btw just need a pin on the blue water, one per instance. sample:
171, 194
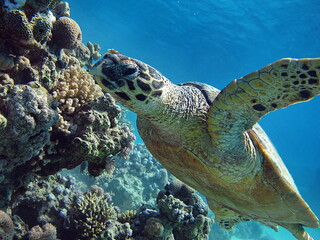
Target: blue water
216, 41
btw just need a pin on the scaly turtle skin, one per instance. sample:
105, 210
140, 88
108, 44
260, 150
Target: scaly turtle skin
211, 139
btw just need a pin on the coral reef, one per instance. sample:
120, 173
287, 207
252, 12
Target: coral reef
29, 116
6, 226
66, 33
46, 200
175, 220
135, 181
92, 135
52, 114
54, 208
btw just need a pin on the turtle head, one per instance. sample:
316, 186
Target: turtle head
132, 82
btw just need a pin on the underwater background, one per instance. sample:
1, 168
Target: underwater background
216, 41
72, 164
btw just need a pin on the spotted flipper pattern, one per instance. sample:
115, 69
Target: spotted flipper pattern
225, 217
244, 101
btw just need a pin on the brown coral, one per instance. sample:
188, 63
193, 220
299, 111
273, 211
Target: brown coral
46, 232
154, 227
6, 226
75, 87
41, 28
6, 61
66, 33
18, 26
23, 71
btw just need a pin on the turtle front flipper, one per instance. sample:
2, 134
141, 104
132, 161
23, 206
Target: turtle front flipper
244, 101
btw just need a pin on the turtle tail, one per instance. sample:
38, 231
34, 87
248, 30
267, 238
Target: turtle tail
297, 230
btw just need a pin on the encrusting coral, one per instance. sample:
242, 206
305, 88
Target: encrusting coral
29, 116
6, 226
38, 4
46, 232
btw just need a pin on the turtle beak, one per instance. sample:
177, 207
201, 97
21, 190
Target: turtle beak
114, 67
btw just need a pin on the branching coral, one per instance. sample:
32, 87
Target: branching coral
62, 9
66, 33
92, 215
75, 87
127, 216
94, 50
6, 226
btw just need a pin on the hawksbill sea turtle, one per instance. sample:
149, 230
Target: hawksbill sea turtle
210, 139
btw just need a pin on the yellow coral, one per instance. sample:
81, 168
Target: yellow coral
92, 215
74, 88
127, 216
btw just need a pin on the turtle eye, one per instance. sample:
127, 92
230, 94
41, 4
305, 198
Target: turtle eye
129, 71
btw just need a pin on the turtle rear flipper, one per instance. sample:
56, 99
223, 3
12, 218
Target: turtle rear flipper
225, 217
244, 101
297, 230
